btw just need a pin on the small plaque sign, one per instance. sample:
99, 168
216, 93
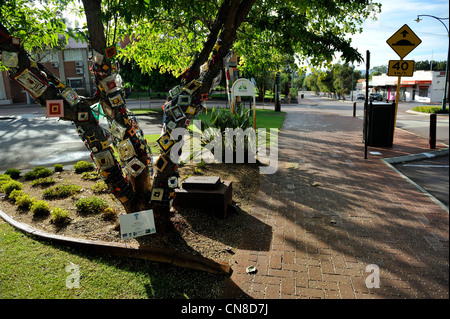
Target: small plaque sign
137, 224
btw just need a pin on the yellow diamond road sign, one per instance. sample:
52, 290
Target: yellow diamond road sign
403, 41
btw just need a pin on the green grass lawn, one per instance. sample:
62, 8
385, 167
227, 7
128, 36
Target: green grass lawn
35, 269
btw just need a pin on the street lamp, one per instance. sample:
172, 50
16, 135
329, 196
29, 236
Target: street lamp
444, 98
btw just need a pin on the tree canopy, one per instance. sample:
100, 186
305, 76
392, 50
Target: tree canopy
170, 35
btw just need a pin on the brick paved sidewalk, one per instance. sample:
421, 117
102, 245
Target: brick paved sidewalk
317, 241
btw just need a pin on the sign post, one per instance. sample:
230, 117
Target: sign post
366, 105
244, 87
402, 42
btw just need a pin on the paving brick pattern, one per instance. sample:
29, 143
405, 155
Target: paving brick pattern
327, 215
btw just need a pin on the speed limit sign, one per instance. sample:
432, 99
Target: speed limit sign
401, 68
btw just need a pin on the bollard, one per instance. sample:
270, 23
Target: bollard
354, 109
432, 140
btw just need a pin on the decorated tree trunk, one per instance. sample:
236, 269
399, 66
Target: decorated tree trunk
134, 178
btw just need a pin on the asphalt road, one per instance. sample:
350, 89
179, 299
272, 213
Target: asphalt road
431, 174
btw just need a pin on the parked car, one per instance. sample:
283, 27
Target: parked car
360, 96
376, 97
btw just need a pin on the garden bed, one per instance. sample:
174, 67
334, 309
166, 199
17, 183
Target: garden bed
191, 231
430, 109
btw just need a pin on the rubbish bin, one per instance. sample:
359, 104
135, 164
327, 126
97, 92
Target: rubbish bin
381, 121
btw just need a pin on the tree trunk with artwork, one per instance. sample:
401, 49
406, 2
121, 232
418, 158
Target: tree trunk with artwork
133, 177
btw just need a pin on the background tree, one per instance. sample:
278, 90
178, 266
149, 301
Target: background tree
378, 70
325, 82
311, 82
430, 65
340, 79
344, 79
156, 81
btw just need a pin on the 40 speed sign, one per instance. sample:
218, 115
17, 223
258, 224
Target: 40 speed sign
401, 68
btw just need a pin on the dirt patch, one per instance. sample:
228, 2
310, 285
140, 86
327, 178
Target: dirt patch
190, 230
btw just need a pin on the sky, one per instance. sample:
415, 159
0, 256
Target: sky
394, 14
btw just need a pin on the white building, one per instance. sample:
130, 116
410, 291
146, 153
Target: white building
423, 86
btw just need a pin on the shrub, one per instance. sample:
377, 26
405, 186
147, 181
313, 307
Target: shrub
24, 201
38, 172
4, 178
11, 185
198, 171
429, 109
14, 173
93, 205
59, 215
43, 181
109, 213
83, 166
222, 119
90, 176
15, 193
100, 187
40, 207
61, 191
58, 167
202, 164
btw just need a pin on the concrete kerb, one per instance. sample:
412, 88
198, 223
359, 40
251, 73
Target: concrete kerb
415, 157
425, 114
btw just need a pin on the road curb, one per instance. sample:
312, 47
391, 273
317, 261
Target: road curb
417, 157
426, 114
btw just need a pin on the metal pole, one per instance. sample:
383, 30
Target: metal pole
353, 72
366, 124
444, 98
432, 139
397, 97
